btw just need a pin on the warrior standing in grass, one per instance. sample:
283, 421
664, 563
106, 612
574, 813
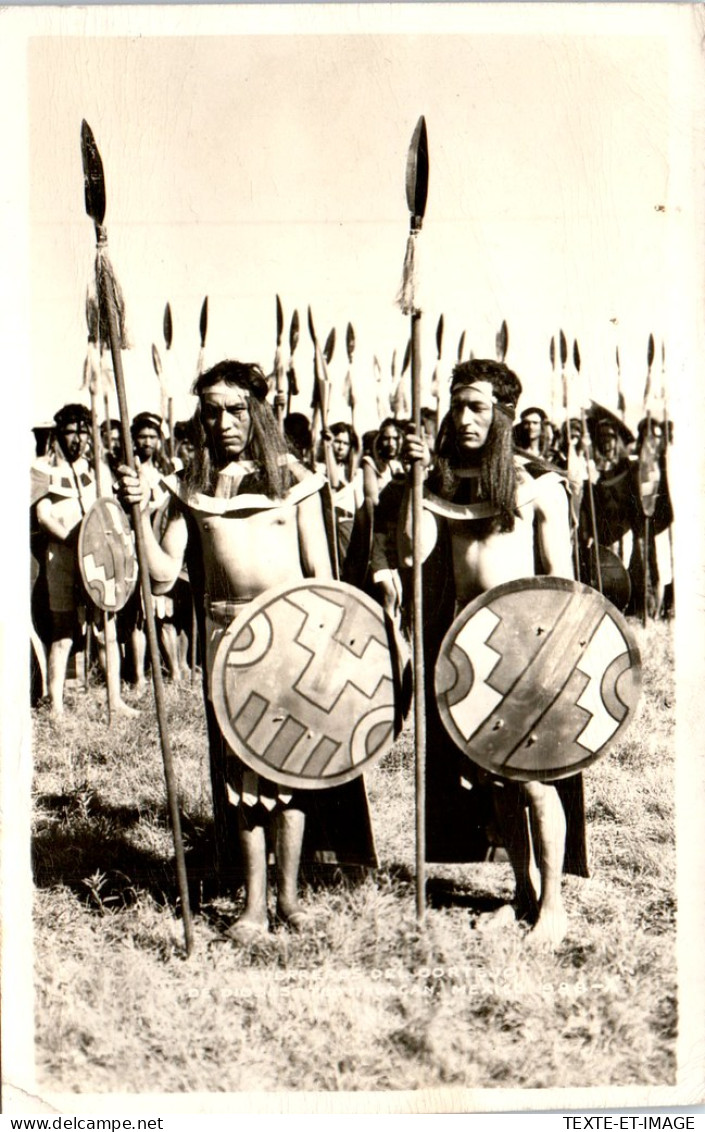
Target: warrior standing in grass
246, 517
64, 485
495, 517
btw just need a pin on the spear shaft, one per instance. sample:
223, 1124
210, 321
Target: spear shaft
95, 207
416, 194
108, 297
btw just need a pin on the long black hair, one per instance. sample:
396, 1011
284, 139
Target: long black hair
266, 446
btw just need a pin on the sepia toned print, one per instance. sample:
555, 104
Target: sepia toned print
398, 311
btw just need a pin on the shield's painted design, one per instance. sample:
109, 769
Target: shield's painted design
536, 678
106, 556
302, 684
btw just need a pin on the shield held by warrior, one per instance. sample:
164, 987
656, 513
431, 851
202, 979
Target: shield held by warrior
304, 685
536, 678
106, 556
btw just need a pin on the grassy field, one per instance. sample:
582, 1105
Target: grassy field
366, 1000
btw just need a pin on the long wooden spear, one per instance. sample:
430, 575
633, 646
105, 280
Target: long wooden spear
202, 331
552, 379
621, 403
292, 387
321, 395
168, 339
349, 386
570, 456
502, 342
666, 445
587, 452
94, 183
399, 400
436, 378
279, 376
417, 169
649, 474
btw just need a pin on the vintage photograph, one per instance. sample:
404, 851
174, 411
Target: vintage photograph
358, 756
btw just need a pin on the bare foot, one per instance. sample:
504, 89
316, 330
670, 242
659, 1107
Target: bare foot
551, 926
504, 917
123, 709
295, 919
245, 931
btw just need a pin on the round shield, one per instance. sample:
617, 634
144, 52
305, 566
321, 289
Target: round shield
615, 582
106, 555
302, 684
536, 678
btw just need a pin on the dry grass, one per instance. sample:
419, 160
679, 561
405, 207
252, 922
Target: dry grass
366, 1000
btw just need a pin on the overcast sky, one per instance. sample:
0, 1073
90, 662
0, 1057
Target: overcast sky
243, 166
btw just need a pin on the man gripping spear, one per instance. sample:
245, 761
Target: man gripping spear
486, 506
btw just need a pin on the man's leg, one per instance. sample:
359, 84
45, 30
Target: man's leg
169, 643
112, 670
510, 811
548, 826
253, 846
59, 653
289, 836
138, 645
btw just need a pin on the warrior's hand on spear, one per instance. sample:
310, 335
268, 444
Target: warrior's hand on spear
95, 207
417, 168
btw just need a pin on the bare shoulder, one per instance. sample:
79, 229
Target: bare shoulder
547, 486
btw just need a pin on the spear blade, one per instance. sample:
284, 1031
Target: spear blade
563, 349
552, 353
502, 341
439, 337
350, 341
576, 355
311, 327
461, 346
168, 327
294, 332
417, 172
650, 362
203, 323
156, 361
329, 347
93, 175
